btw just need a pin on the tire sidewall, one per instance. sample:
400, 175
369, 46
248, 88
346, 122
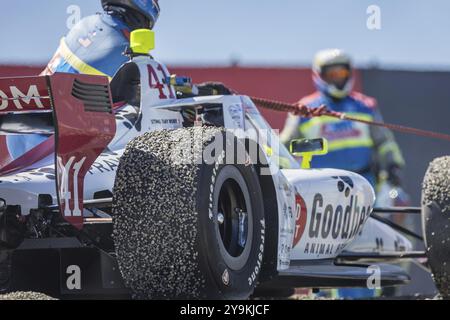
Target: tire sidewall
241, 282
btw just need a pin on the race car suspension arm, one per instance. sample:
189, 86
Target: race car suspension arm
357, 256
98, 203
402, 210
88, 204
397, 227
374, 256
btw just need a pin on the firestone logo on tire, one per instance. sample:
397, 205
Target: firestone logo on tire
300, 218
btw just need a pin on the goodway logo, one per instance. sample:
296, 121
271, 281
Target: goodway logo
17, 96
300, 218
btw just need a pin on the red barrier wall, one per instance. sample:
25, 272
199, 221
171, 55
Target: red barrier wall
284, 84
14, 70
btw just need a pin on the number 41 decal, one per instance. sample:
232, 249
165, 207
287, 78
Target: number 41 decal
155, 83
66, 190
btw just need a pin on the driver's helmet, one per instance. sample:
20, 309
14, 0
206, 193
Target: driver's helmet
332, 73
148, 8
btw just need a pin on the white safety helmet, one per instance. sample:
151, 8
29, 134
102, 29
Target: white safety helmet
332, 73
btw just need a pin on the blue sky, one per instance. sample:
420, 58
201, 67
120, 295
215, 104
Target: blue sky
414, 33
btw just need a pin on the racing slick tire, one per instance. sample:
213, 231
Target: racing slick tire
187, 229
436, 222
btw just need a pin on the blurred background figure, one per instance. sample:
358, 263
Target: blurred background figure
367, 150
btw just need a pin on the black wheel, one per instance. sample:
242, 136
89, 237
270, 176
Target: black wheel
436, 222
187, 229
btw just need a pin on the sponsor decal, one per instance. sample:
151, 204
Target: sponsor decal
344, 184
300, 218
104, 165
257, 268
335, 222
69, 188
288, 215
286, 188
166, 91
340, 130
236, 115
36, 174
165, 121
85, 42
399, 244
379, 243
15, 99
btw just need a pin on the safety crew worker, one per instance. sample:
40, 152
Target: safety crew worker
368, 150
95, 44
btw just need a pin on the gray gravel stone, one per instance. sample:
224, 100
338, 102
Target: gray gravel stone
436, 185
20, 295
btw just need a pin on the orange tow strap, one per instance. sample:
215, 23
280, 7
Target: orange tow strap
307, 112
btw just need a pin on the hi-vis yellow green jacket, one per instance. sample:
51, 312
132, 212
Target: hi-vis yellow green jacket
352, 146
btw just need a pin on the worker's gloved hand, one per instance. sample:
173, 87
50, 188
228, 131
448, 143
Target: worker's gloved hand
213, 89
394, 175
307, 112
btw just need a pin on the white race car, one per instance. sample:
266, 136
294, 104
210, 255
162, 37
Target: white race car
141, 199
